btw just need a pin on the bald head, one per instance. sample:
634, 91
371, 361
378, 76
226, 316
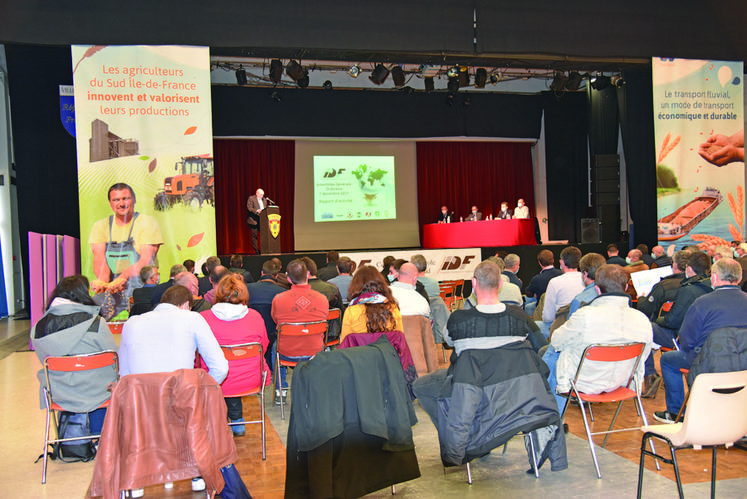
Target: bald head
408, 273
188, 280
658, 251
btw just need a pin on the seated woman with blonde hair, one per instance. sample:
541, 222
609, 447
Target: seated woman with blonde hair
372, 308
233, 323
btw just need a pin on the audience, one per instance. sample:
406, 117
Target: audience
394, 275
645, 257
429, 284
207, 268
261, 294
510, 294
218, 273
160, 289
236, 266
563, 288
233, 323
141, 297
189, 264
330, 269
512, 262
403, 290
661, 259
726, 306
343, 278
538, 284
372, 307
189, 281
330, 291
613, 256
666, 289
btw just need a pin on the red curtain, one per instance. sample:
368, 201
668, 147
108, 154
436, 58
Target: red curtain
462, 174
241, 167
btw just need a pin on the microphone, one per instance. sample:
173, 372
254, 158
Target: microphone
270, 202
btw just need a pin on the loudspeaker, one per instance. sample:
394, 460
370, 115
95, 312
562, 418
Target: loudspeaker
590, 231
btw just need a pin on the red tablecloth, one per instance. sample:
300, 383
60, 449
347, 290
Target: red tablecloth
514, 232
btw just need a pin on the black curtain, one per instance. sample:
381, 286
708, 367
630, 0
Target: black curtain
566, 156
636, 104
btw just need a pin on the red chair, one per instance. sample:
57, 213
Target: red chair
626, 391
297, 339
248, 351
70, 364
334, 315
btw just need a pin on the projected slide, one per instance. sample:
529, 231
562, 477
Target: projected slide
352, 188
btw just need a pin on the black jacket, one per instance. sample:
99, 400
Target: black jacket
725, 350
664, 291
691, 288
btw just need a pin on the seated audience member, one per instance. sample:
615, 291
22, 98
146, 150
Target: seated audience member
141, 296
372, 307
189, 281
607, 319
634, 262
189, 264
538, 284
207, 268
741, 258
281, 278
720, 252
726, 306
261, 294
429, 284
299, 304
504, 213
474, 215
490, 324
563, 288
170, 328
160, 289
343, 279
330, 291
666, 289
386, 264
587, 267
166, 339
613, 256
510, 294
233, 323
330, 269
521, 210
237, 267
218, 273
394, 275
446, 217
661, 259
71, 326
667, 327
512, 262
403, 290
645, 256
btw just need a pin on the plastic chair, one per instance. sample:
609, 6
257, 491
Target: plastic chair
297, 339
448, 291
69, 364
715, 417
627, 391
334, 315
246, 351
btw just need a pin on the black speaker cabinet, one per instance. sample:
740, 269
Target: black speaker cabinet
590, 231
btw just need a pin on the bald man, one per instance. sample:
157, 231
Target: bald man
255, 205
410, 301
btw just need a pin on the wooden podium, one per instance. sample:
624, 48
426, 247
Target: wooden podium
269, 230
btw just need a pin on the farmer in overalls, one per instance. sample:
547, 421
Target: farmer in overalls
122, 244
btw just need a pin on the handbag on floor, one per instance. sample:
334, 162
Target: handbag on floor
234, 488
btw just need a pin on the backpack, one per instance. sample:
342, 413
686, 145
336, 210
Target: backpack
74, 424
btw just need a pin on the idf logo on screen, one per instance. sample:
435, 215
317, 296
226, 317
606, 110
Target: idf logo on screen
332, 172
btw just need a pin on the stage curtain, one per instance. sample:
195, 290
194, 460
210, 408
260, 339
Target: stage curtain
462, 174
241, 167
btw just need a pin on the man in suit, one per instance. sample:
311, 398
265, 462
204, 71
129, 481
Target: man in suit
505, 213
255, 204
446, 217
474, 215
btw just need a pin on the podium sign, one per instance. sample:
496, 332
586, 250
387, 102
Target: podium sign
269, 230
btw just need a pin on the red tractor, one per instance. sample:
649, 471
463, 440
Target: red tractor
193, 185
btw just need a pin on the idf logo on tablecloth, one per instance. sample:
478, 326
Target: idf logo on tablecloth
274, 221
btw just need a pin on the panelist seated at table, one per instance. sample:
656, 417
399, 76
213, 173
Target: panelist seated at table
446, 217
521, 210
474, 215
505, 213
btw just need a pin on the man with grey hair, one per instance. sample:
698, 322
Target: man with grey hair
509, 294
159, 290
429, 283
726, 306
512, 262
204, 281
141, 296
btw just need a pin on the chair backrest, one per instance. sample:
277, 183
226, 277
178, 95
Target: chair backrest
334, 314
419, 335
247, 351
613, 353
81, 362
716, 409
301, 339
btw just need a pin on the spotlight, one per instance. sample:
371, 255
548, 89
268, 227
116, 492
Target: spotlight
303, 82
452, 71
574, 81
463, 76
428, 82
354, 71
618, 81
453, 85
275, 96
496, 77
327, 85
481, 77
296, 72
398, 76
379, 74
241, 76
558, 82
600, 82
276, 71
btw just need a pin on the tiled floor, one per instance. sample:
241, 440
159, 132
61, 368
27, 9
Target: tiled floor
22, 424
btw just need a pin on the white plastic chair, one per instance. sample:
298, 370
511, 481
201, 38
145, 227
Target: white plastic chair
715, 416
